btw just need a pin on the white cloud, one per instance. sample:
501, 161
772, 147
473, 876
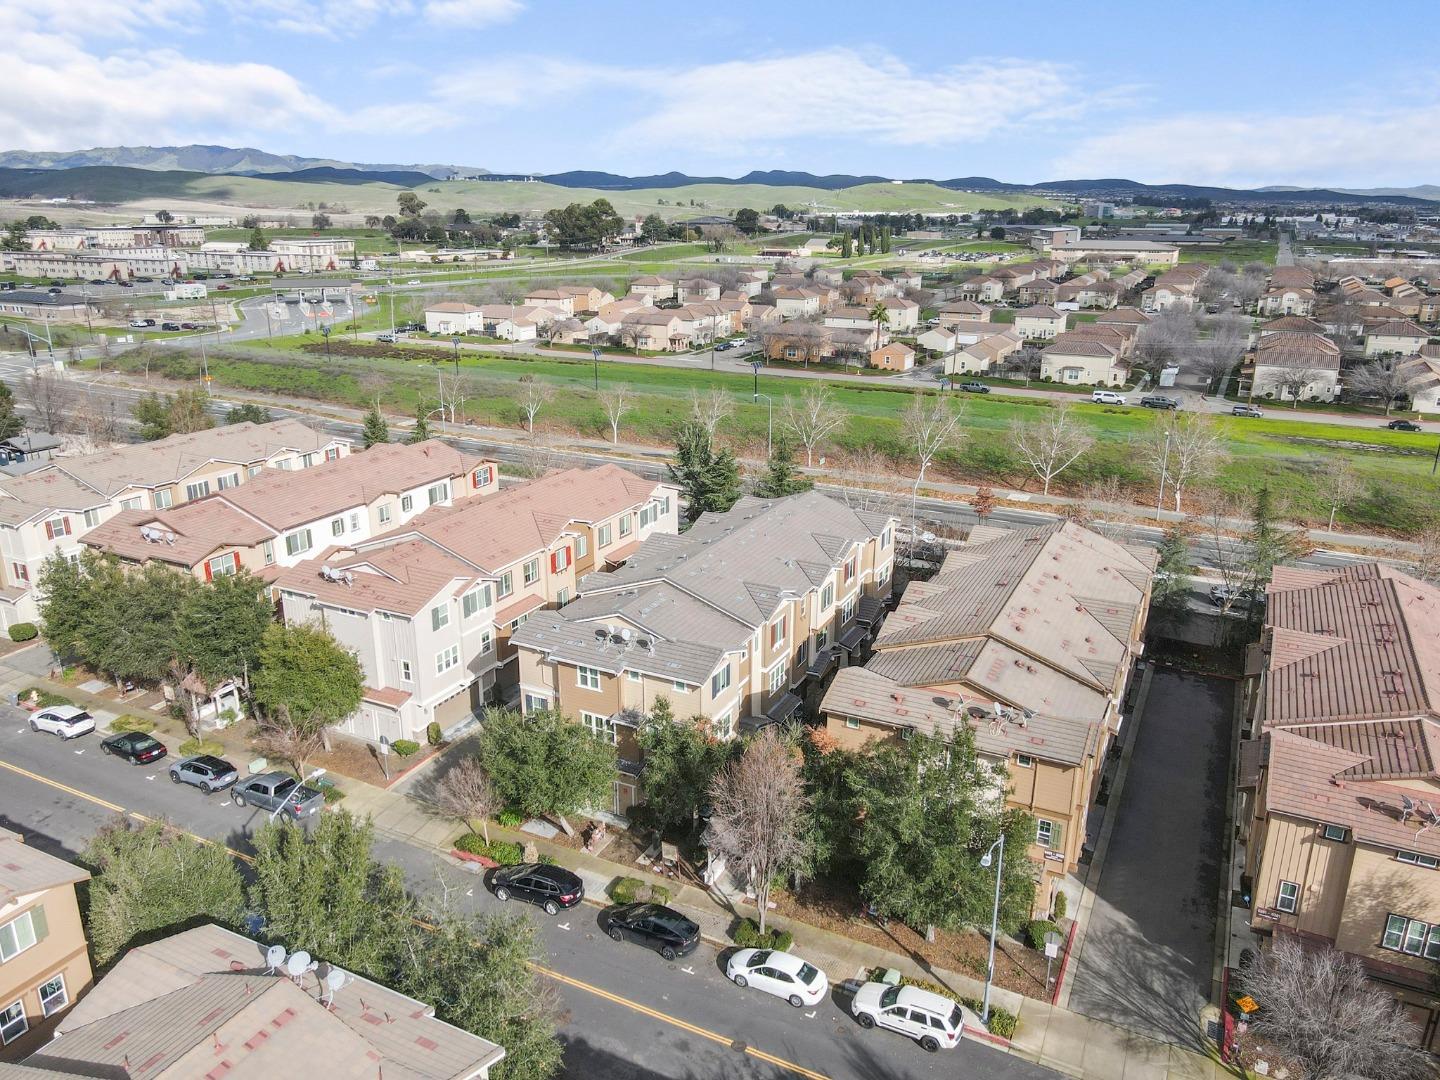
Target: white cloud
472, 13
100, 18
1348, 149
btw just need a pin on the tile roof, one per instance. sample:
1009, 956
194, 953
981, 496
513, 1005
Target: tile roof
1123, 315
183, 536
1038, 311
403, 578
1079, 346
25, 870
1292, 323
1397, 328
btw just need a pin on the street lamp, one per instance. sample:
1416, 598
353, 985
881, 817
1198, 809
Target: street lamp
755, 397
999, 860
295, 791
1164, 470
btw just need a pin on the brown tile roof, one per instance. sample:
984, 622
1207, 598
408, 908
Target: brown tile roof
183, 536
452, 307
403, 578
1079, 346
1038, 311
25, 870
1292, 323
1123, 315
1397, 328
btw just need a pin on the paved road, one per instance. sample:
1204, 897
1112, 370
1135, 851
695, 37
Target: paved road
1147, 956
625, 1013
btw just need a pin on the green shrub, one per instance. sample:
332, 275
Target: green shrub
201, 746
547, 860
43, 698
510, 819
432, 733
129, 722
626, 890
501, 851
1035, 931
659, 894
1002, 1021
332, 794
24, 631
1061, 907
748, 936
405, 747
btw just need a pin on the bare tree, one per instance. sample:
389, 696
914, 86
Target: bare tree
812, 415
930, 424
1181, 448
615, 401
533, 396
468, 795
869, 481
711, 409
296, 743
1342, 483
1323, 1013
1164, 341
1286, 379
1385, 379
51, 398
1216, 356
758, 817
1052, 444
1214, 529
1425, 564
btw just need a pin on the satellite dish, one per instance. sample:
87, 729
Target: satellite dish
335, 981
274, 958
298, 964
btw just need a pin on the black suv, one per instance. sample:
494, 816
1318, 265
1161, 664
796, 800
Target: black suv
551, 887
661, 928
1159, 401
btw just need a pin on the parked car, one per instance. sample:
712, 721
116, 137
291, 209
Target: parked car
661, 928
167, 281
205, 771
1403, 425
724, 346
1246, 410
388, 339
782, 974
1158, 401
550, 887
169, 326
135, 747
222, 288
268, 791
1107, 397
930, 1019
1235, 596
64, 720
55, 290
973, 387
126, 284
413, 281
189, 326
142, 323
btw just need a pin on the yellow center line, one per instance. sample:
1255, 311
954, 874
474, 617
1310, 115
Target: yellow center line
589, 988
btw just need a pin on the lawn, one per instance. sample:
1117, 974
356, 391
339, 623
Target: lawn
1294, 458
1238, 252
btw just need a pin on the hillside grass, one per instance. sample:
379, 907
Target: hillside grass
1294, 458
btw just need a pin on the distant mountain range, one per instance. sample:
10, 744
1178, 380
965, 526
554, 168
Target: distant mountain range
19, 168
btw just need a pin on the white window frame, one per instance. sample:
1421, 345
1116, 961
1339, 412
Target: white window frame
626, 526
8, 1031
47, 1003
723, 726
679, 687
1288, 892
440, 616
632, 675
268, 549
20, 945
1024, 761
1335, 832
601, 726
202, 486
603, 539
852, 723
163, 498
447, 658
587, 678
337, 526
384, 513
720, 681
406, 675
530, 572
438, 493
299, 536
582, 546
775, 677
827, 596
92, 518
1045, 833
407, 503
506, 585
1414, 858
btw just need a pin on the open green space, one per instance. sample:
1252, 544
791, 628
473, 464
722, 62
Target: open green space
1238, 252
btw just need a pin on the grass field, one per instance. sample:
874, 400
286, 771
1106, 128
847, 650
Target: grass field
1238, 252
1293, 458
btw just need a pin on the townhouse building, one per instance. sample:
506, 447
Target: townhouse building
1296, 365
1394, 337
652, 288
1082, 360
983, 289
1040, 323
963, 311
739, 621
430, 607
50, 511
985, 356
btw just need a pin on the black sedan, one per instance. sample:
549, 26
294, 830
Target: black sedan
135, 747
550, 887
661, 928
1403, 425
205, 771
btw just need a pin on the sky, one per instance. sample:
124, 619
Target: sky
1240, 94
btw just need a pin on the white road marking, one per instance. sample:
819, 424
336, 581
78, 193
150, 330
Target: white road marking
563, 926
225, 803
79, 751
688, 970
811, 1015
150, 777
469, 892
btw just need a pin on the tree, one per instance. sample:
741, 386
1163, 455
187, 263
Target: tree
409, 204
480, 972
1426, 562
165, 217
578, 225
1389, 380
1287, 379
533, 396
469, 796
653, 228
847, 245
1170, 589
543, 763
51, 399
421, 431
1320, 1010
1052, 444
11, 423
1217, 356
174, 414
879, 316
322, 890
781, 478
135, 621
1342, 484
811, 416
374, 430
681, 759
257, 240
248, 413
17, 237
997, 233
320, 222
1182, 447
148, 877
220, 627
983, 502
615, 401
711, 409
747, 221
1165, 341
759, 812
305, 678
930, 425
709, 480
1268, 543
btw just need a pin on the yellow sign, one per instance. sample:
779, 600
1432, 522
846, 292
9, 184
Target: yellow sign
1246, 1004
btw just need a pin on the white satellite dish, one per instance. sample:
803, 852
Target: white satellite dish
335, 981
274, 958
298, 964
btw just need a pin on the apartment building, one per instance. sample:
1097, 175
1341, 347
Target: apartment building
430, 607
1031, 634
1340, 774
49, 511
44, 959
280, 519
738, 621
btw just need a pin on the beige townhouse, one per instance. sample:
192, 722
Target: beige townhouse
651, 288
739, 621
49, 511
963, 311
1040, 323
985, 356
1082, 360
1296, 365
1394, 337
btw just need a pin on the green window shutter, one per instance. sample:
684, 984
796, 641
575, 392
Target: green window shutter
1057, 836
39, 922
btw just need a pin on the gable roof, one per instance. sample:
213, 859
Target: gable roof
25, 870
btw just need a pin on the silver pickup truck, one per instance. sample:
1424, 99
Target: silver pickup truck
269, 790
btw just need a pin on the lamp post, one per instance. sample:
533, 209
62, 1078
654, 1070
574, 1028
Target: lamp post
1164, 469
999, 860
295, 791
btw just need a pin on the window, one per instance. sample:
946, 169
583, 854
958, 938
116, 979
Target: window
848, 611
520, 621
1335, 832
132, 504
405, 673
852, 723
306, 460
560, 559
882, 576
354, 520
439, 616
827, 597
625, 525
1044, 832
588, 678
222, 565
885, 537
633, 675
1430, 862
229, 480
777, 677
21, 933
599, 725
1024, 761
197, 490
582, 546
484, 476
720, 680
850, 571
802, 652
19, 571
1412, 936
92, 518
13, 1023
268, 547
332, 453
438, 493
385, 513
506, 585
407, 503
531, 571
562, 597
446, 659
777, 631
337, 527
57, 527
252, 472
822, 638
474, 600
298, 542
723, 726
1289, 898
52, 995
678, 686
535, 702
603, 540
487, 641
647, 515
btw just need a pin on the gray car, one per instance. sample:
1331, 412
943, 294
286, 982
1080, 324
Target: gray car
270, 790
205, 771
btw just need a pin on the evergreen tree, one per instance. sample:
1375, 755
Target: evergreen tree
11, 423
1268, 543
544, 763
257, 240
305, 674
421, 431
248, 412
1172, 573
781, 478
709, 479
681, 758
847, 248
221, 626
375, 429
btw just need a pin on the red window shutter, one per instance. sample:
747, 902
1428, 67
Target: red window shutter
208, 576
555, 562
49, 531
67, 526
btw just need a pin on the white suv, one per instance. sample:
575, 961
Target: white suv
1107, 397
64, 720
931, 1020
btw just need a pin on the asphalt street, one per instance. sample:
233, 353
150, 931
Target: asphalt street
625, 1013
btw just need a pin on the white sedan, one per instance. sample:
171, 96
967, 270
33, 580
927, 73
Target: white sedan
780, 973
64, 720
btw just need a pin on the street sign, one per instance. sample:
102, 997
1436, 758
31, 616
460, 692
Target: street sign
755, 366
595, 354
1246, 1004
1052, 944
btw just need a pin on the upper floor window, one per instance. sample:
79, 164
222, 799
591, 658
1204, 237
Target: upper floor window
447, 659
777, 631
1045, 833
57, 527
560, 559
407, 503
719, 681
306, 460
506, 585
298, 541
1288, 899
827, 597
474, 600
604, 538
531, 571
582, 546
384, 513
588, 678
198, 489
163, 498
22, 932
484, 476
1411, 936
438, 493
625, 525
439, 616
228, 481
332, 453
601, 726
849, 571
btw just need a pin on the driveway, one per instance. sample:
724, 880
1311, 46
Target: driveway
1146, 959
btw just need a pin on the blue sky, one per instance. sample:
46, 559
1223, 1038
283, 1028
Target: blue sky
1230, 93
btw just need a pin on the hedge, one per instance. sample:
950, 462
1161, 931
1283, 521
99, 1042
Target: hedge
748, 936
432, 733
43, 698
201, 746
626, 890
501, 851
405, 747
24, 631
1035, 931
129, 722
